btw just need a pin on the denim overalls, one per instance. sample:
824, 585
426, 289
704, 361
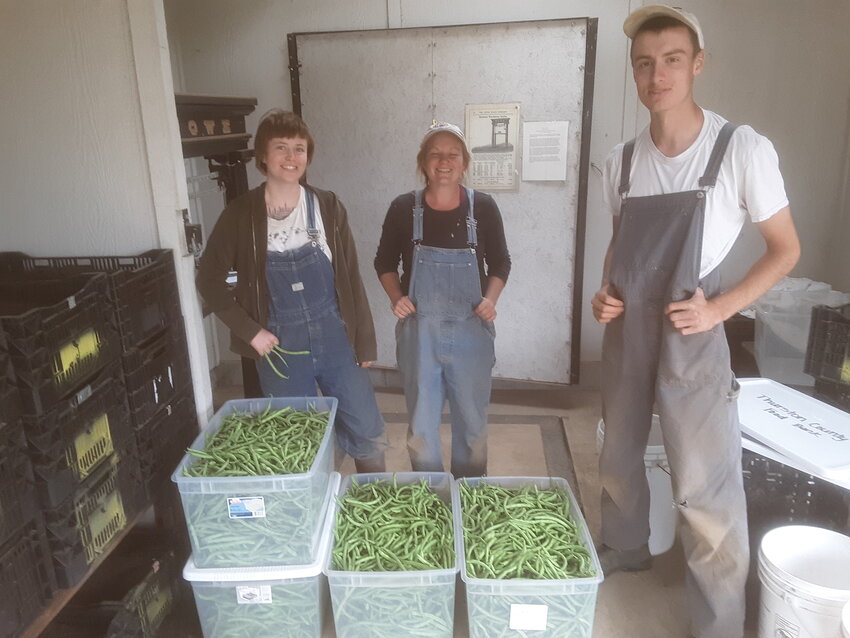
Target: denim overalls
656, 260
304, 315
446, 351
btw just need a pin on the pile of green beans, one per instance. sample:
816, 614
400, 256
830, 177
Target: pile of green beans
382, 526
281, 441
293, 612
521, 533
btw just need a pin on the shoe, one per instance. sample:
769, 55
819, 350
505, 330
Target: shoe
626, 560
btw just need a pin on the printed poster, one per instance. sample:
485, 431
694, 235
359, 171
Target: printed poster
492, 134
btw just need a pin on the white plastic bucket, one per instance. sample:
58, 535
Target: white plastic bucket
845, 621
805, 582
662, 514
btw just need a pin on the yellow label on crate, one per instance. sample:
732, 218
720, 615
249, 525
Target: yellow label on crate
157, 605
74, 352
103, 524
90, 447
845, 371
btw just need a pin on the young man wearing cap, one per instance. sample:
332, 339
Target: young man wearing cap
679, 194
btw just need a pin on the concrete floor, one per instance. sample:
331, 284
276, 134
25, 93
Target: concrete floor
648, 604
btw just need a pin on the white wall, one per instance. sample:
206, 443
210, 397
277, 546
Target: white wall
73, 163
778, 65
91, 161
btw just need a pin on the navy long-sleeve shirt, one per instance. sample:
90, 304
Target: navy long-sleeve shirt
443, 229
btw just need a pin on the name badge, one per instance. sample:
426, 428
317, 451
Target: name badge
297, 286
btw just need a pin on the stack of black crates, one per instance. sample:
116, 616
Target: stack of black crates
26, 571
98, 352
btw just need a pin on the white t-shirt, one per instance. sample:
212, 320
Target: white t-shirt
749, 183
291, 231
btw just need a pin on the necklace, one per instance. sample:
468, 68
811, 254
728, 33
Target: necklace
279, 212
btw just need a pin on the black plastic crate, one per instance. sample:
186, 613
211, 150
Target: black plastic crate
778, 494
828, 350
26, 578
163, 440
71, 441
89, 522
17, 504
144, 287
59, 332
10, 397
146, 605
155, 375
834, 393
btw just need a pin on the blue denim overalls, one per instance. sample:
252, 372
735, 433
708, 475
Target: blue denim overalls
645, 361
304, 315
446, 351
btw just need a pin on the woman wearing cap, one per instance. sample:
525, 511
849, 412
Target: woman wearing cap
455, 262
298, 288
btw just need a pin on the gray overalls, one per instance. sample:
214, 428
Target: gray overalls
646, 363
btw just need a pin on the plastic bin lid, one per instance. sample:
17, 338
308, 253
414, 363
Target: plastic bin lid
270, 572
814, 436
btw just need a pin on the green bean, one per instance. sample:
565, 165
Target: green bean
279, 352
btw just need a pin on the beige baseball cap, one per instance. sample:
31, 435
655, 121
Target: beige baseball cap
444, 127
639, 16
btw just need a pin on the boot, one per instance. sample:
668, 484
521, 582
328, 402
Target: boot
624, 560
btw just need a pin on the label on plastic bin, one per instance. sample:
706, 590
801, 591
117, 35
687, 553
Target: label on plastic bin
246, 507
254, 595
529, 617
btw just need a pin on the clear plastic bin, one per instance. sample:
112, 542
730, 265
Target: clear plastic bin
394, 604
275, 519
780, 344
524, 607
264, 602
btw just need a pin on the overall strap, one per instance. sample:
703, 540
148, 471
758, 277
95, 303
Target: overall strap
471, 224
709, 178
417, 216
312, 231
626, 167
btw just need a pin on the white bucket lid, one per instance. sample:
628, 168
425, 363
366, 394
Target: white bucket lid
812, 560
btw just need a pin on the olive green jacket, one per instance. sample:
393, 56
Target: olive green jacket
238, 242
